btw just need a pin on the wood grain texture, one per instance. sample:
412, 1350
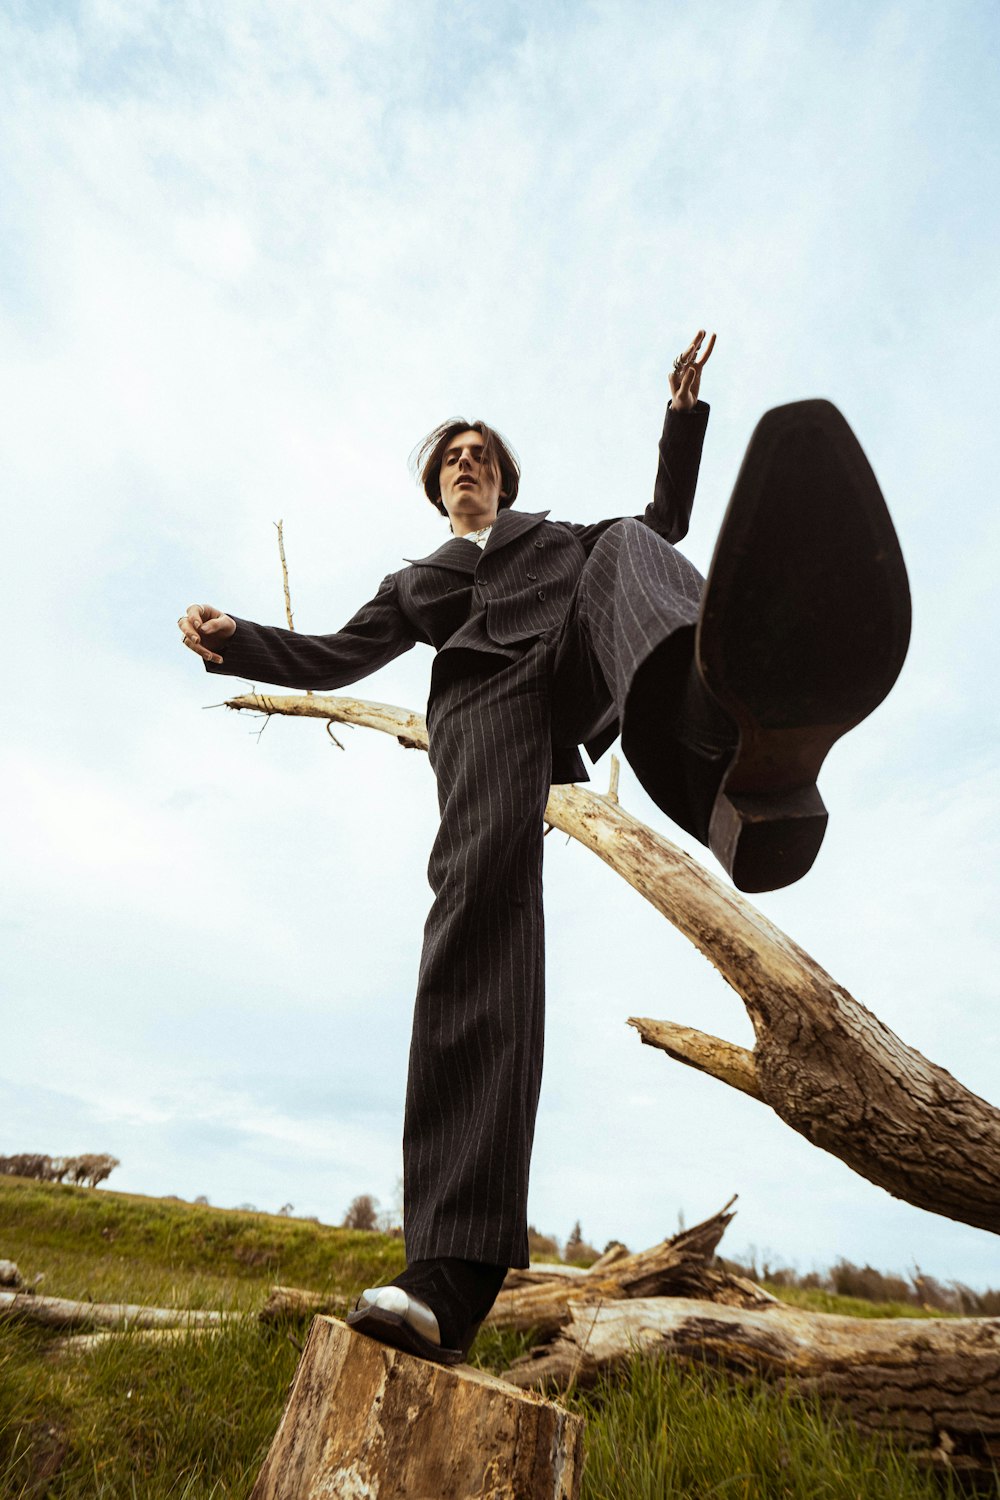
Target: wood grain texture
931, 1384
366, 1421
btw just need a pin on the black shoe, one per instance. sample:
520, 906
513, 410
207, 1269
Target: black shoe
398, 1321
804, 627
433, 1310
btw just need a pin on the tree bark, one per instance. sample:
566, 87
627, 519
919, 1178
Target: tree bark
932, 1384
367, 1421
821, 1061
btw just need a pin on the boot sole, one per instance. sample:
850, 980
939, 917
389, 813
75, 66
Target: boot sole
804, 628
390, 1328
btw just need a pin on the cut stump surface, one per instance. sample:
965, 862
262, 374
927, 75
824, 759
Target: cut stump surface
366, 1421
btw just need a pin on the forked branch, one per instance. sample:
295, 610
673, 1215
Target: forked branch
824, 1063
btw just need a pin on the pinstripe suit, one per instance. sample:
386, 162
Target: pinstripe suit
553, 635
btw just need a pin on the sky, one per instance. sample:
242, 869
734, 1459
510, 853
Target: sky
250, 253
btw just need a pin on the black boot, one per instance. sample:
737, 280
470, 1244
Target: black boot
804, 627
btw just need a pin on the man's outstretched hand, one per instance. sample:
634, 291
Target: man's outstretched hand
204, 627
685, 377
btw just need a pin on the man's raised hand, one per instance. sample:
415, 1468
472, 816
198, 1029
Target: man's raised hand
685, 377
203, 626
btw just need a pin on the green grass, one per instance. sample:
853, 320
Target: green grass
96, 1244
814, 1299
664, 1431
192, 1419
148, 1419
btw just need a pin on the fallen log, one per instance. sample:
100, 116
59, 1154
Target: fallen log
821, 1061
58, 1312
294, 1303
682, 1266
86, 1343
931, 1384
365, 1420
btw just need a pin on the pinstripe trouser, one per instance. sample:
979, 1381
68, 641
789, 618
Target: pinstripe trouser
478, 1028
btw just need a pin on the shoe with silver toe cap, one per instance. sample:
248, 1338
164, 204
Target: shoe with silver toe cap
394, 1316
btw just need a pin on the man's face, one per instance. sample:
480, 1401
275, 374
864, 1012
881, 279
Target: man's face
470, 492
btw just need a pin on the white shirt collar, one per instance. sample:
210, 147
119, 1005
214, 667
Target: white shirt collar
480, 537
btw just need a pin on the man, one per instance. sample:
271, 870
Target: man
548, 635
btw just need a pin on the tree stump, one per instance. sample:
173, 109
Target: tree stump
365, 1421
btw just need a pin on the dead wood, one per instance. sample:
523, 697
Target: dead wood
58, 1312
821, 1061
933, 1384
294, 1303
682, 1266
366, 1420
85, 1343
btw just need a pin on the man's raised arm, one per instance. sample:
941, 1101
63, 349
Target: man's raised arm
680, 445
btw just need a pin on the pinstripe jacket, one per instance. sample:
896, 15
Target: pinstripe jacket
493, 601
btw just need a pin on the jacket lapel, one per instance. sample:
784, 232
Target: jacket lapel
463, 557
456, 553
511, 524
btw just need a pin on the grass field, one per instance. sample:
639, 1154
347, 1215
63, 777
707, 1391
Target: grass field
193, 1417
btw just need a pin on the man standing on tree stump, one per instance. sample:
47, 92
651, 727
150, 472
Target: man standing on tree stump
550, 635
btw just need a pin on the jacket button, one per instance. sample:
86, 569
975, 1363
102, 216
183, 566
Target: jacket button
541, 593
533, 576
539, 544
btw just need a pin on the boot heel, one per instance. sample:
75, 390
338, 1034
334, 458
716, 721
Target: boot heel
764, 842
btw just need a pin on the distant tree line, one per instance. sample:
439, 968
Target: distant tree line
845, 1279
85, 1171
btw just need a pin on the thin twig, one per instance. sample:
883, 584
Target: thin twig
279, 528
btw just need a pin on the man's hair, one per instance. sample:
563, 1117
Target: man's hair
498, 455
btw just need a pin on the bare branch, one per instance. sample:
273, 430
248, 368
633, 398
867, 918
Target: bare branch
709, 1054
279, 528
824, 1063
